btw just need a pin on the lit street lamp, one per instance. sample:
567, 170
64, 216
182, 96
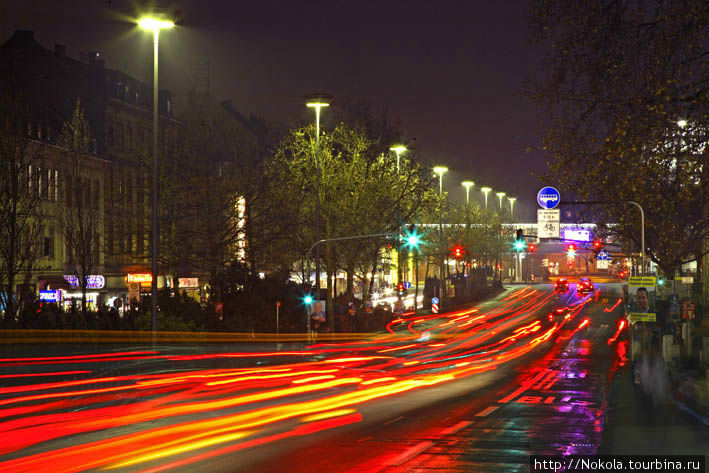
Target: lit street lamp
317, 102
500, 195
440, 170
486, 191
398, 150
512, 206
467, 185
155, 25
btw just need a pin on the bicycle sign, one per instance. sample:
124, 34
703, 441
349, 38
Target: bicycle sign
548, 223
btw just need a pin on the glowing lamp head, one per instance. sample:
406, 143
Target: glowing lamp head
485, 189
519, 245
468, 184
440, 170
681, 123
398, 148
154, 24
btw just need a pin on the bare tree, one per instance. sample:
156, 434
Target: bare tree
80, 214
20, 204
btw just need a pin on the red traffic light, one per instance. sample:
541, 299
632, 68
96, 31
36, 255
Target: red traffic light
401, 286
457, 251
597, 244
531, 248
571, 247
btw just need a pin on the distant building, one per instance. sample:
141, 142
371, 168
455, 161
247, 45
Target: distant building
119, 111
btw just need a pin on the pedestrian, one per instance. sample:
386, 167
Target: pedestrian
317, 318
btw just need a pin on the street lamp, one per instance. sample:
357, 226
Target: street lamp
317, 102
486, 191
440, 170
398, 150
467, 185
512, 205
155, 25
500, 195
682, 123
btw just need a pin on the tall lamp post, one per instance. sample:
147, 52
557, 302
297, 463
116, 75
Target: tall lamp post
155, 25
467, 185
500, 195
486, 191
317, 102
440, 170
398, 149
512, 206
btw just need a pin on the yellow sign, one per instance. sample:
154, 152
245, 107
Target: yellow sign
140, 277
642, 281
641, 316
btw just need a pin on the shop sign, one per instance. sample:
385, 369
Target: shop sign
140, 277
188, 282
49, 296
93, 281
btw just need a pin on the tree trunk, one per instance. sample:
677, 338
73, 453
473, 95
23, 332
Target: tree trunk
350, 282
416, 277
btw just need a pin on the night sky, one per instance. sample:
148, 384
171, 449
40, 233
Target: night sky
450, 72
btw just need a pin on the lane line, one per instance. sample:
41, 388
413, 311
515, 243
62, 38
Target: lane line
486, 412
409, 454
457, 427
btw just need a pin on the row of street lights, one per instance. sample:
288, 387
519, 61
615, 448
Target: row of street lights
316, 102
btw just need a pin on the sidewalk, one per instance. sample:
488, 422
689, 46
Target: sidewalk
635, 426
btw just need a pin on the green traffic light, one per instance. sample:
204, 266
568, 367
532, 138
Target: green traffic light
660, 281
519, 245
412, 240
308, 300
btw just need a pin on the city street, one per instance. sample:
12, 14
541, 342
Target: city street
478, 389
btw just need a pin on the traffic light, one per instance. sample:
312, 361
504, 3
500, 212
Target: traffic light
401, 289
571, 250
412, 239
597, 246
532, 248
457, 251
519, 240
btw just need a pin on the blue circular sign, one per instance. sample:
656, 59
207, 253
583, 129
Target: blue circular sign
407, 285
434, 300
548, 197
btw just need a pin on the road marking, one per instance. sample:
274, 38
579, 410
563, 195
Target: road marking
457, 427
486, 412
524, 387
409, 454
391, 421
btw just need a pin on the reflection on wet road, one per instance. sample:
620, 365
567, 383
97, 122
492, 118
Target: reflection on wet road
164, 408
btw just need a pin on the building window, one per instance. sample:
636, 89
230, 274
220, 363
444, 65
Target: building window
48, 244
140, 238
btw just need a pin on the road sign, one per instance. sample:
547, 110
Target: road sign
407, 285
435, 300
601, 264
434, 308
642, 317
642, 281
548, 197
603, 256
548, 223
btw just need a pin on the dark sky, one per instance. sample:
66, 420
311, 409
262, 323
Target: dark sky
450, 71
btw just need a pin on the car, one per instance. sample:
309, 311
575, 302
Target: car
585, 286
561, 285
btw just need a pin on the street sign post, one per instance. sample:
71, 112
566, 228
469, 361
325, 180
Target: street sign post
407, 285
548, 223
434, 305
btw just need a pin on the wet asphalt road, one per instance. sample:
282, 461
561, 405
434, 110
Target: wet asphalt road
549, 399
